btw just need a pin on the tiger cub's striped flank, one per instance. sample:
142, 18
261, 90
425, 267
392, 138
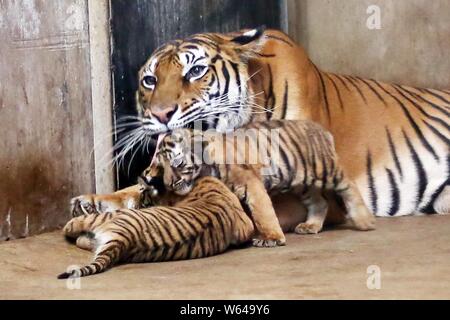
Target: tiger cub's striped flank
304, 162
206, 222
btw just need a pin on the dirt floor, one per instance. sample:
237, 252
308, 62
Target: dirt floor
413, 256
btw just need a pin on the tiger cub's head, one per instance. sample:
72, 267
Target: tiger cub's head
178, 161
203, 78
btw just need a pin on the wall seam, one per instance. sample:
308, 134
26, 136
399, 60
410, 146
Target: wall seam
101, 91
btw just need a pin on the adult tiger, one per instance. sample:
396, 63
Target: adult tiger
393, 140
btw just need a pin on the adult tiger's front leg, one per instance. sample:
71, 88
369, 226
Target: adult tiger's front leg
128, 198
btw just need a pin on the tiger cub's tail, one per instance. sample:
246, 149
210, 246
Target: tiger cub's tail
108, 255
108, 248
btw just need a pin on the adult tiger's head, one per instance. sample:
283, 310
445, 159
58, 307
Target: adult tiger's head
203, 78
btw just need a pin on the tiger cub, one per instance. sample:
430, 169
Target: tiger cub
204, 223
304, 161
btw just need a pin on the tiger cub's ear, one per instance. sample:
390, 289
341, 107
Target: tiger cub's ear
249, 43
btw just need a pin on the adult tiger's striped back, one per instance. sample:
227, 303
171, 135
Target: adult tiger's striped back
392, 140
205, 223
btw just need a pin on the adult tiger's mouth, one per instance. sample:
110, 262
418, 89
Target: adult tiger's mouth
220, 122
203, 125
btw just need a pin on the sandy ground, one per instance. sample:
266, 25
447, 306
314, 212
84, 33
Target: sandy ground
413, 256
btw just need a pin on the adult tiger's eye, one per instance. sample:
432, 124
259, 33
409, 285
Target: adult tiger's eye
149, 82
195, 72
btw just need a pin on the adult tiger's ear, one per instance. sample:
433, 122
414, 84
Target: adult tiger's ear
250, 43
250, 36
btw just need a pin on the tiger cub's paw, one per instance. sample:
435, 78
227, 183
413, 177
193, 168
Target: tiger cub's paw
82, 205
269, 243
308, 228
94, 204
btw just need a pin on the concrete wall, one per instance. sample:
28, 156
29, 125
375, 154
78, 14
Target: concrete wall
412, 47
46, 112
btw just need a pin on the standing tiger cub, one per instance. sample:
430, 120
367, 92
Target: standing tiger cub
204, 223
301, 158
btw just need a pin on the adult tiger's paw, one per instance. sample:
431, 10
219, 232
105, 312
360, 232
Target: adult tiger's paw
308, 228
364, 220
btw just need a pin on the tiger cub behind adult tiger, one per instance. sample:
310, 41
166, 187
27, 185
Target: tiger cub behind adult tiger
304, 161
206, 222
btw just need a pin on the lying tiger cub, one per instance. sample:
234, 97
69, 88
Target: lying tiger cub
305, 163
204, 223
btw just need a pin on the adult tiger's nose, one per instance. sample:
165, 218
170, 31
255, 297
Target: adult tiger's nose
164, 114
